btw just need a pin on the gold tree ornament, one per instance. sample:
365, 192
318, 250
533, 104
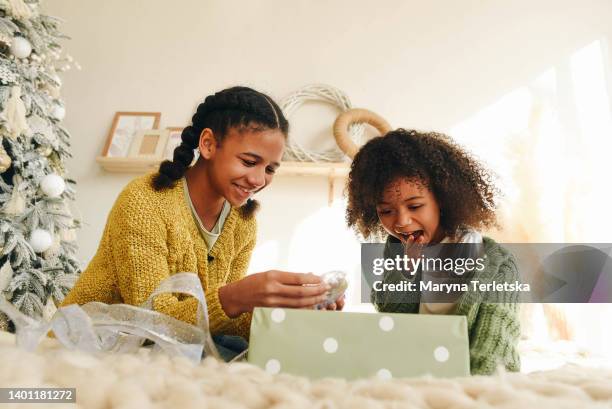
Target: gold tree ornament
352, 116
56, 163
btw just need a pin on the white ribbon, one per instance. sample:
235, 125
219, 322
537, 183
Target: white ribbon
96, 327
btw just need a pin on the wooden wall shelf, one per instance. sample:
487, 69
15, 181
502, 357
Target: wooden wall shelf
332, 170
128, 165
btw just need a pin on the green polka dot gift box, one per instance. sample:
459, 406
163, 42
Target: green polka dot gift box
351, 345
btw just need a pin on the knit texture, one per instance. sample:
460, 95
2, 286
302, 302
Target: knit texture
493, 328
152, 235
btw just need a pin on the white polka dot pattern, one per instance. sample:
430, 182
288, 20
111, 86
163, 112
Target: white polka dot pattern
273, 366
330, 345
441, 354
384, 374
278, 315
386, 323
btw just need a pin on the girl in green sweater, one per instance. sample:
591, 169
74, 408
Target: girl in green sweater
423, 189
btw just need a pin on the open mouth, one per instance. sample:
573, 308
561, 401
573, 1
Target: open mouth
411, 236
245, 192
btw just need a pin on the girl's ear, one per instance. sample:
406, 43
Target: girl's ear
207, 144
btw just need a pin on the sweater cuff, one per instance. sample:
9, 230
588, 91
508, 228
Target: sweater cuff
220, 323
216, 313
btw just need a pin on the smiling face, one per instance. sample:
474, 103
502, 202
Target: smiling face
244, 163
409, 212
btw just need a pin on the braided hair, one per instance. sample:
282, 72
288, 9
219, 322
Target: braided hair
235, 106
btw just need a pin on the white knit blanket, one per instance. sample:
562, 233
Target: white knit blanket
146, 380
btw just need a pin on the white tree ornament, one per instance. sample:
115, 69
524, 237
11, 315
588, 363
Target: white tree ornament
21, 47
40, 240
52, 185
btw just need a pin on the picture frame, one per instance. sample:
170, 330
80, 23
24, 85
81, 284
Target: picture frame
124, 128
174, 140
149, 144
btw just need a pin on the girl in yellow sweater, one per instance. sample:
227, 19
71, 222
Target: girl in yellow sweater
200, 219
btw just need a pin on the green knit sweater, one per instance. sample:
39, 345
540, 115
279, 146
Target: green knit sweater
493, 328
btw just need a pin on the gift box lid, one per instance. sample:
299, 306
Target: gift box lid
358, 345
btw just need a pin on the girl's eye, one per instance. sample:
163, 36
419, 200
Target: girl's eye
248, 163
414, 207
270, 170
384, 212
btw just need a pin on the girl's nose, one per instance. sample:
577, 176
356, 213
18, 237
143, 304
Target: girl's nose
400, 225
403, 220
257, 178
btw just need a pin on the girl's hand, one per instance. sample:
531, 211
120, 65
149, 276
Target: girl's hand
272, 289
338, 305
412, 248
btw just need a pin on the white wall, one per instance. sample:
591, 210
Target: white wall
420, 64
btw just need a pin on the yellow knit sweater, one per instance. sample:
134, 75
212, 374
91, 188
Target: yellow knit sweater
151, 235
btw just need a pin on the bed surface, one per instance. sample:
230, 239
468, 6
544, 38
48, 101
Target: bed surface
147, 380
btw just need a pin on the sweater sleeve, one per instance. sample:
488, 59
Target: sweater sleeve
495, 334
139, 252
240, 325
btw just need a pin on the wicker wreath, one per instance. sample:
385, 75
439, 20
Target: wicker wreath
328, 94
352, 116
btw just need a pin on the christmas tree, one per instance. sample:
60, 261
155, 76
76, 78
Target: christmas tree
37, 228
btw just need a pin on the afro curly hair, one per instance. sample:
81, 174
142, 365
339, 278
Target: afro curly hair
462, 187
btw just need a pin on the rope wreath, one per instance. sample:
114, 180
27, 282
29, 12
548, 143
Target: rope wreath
324, 93
352, 116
